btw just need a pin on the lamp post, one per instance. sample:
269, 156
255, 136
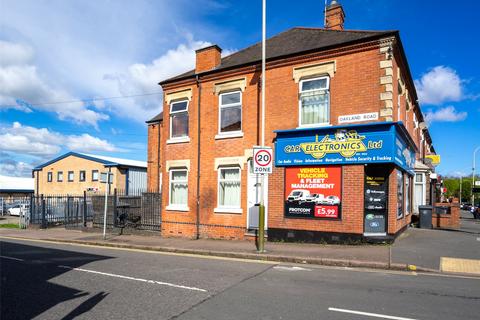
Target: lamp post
473, 174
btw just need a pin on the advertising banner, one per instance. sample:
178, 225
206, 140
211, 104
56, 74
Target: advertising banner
313, 192
352, 144
375, 200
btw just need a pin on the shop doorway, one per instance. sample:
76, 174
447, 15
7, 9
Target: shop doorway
376, 200
253, 198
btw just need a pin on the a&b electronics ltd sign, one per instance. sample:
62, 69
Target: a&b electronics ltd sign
262, 160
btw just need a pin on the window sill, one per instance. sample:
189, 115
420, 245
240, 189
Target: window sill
228, 210
177, 208
229, 135
317, 125
178, 140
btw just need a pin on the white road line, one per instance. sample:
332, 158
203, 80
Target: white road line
368, 314
291, 268
136, 279
12, 258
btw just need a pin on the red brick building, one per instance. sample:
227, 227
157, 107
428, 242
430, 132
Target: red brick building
334, 85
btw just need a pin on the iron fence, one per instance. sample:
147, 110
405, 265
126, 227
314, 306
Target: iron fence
133, 210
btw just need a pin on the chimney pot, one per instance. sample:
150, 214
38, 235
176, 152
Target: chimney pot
207, 58
334, 16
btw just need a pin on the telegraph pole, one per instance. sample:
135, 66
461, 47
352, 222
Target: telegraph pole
261, 211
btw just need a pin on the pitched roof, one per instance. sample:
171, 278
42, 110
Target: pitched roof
291, 42
16, 184
107, 161
157, 118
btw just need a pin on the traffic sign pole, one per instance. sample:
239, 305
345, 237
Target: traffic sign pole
261, 218
262, 164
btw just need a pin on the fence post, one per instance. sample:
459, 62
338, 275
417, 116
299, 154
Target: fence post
85, 209
67, 211
114, 208
77, 204
44, 221
32, 208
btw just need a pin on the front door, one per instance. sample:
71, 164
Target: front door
376, 200
253, 197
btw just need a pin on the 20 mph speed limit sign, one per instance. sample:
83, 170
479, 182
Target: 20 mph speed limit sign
262, 160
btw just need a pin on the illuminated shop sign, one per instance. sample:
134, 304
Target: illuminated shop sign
313, 192
351, 144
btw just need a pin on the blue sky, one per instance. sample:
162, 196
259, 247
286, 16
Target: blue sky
76, 50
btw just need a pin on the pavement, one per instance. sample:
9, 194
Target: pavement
43, 280
416, 249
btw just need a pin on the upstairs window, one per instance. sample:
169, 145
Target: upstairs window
230, 112
49, 177
314, 101
81, 175
94, 175
70, 176
60, 176
179, 119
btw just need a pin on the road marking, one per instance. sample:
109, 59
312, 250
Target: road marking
460, 265
291, 268
133, 278
12, 258
368, 314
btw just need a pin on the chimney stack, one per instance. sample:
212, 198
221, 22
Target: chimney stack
334, 16
207, 58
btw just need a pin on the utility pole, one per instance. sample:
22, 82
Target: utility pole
261, 211
473, 175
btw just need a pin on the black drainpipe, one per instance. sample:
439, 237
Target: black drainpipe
198, 155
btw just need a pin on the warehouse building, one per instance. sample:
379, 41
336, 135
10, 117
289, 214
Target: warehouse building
73, 173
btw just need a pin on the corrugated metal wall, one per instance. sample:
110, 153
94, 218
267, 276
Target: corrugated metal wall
137, 180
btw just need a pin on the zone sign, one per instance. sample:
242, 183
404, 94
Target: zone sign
262, 160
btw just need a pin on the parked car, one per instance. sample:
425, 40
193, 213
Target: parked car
19, 210
317, 198
476, 212
465, 206
331, 200
299, 196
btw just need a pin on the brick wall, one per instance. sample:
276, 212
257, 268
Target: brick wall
355, 88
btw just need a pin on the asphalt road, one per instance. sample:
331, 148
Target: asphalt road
59, 281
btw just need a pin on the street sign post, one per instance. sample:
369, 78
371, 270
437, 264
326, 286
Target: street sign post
262, 160
262, 164
106, 177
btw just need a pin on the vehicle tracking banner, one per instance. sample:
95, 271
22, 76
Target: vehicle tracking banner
313, 192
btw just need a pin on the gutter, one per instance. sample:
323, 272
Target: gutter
198, 155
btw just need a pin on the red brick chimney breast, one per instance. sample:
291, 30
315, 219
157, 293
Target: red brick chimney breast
207, 58
334, 16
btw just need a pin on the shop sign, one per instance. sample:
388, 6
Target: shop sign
353, 144
435, 158
358, 117
313, 192
375, 200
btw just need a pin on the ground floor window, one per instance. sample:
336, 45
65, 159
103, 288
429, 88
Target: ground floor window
408, 195
419, 194
179, 187
229, 187
400, 196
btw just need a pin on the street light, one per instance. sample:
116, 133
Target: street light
473, 175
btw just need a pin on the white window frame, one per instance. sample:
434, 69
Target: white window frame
300, 84
176, 207
409, 194
229, 134
228, 209
184, 138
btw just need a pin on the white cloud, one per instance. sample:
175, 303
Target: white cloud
139, 77
12, 168
43, 143
21, 85
447, 114
439, 85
